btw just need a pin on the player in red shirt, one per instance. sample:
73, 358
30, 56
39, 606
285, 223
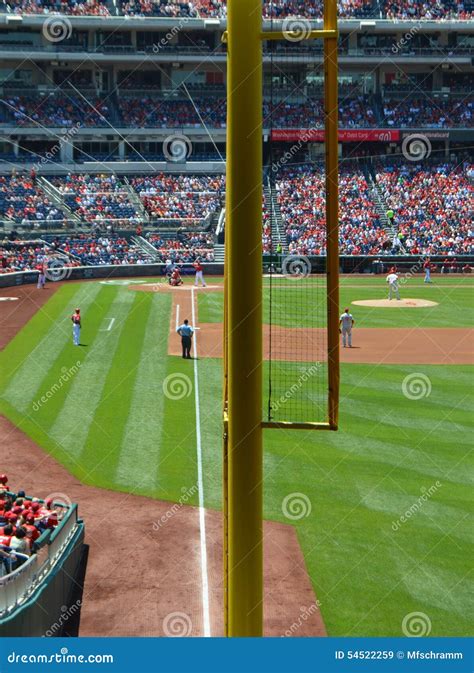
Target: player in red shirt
198, 267
76, 326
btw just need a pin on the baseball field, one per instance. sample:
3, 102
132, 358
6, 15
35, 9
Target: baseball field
380, 508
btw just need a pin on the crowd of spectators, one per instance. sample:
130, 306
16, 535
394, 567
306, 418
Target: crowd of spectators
178, 197
429, 112
22, 521
426, 9
276, 9
97, 198
301, 197
186, 247
168, 113
71, 7
432, 207
55, 109
23, 201
148, 111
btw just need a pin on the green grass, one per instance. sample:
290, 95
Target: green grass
111, 425
297, 303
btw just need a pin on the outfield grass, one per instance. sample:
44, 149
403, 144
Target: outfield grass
455, 298
111, 424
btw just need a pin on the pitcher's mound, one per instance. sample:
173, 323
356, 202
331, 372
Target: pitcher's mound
395, 303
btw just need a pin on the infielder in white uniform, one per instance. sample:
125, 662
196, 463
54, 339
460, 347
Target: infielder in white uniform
346, 323
392, 280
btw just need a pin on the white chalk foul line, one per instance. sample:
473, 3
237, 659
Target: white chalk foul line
202, 511
177, 316
107, 329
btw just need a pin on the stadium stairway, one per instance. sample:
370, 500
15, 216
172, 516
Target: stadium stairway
382, 207
219, 253
276, 219
136, 201
149, 251
58, 199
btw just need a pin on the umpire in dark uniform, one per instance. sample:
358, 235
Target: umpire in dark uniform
186, 332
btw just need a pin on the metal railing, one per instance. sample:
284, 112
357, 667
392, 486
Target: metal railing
17, 586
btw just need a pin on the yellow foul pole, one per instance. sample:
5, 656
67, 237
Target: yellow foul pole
332, 215
244, 566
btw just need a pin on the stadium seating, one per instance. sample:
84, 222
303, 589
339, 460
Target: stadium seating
179, 197
428, 112
276, 9
97, 198
433, 206
300, 195
22, 521
23, 201
88, 7
55, 109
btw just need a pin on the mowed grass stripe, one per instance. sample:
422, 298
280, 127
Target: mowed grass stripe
47, 403
72, 424
23, 389
138, 463
101, 450
177, 471
30, 338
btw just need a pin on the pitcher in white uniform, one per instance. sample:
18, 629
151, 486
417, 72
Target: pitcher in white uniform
346, 323
392, 280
